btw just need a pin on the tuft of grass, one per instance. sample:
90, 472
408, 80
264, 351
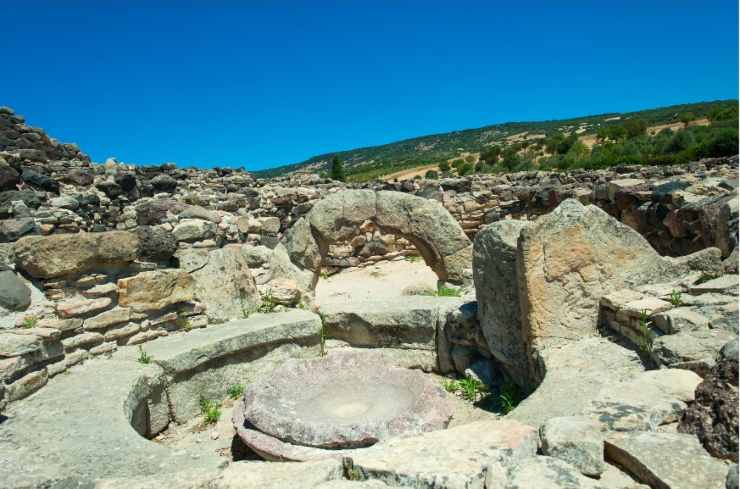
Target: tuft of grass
645, 343
509, 397
29, 322
444, 291
144, 357
235, 391
413, 258
468, 388
211, 410
267, 305
675, 298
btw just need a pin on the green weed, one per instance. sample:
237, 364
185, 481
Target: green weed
211, 410
235, 391
144, 357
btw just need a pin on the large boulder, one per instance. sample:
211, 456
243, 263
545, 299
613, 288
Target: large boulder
499, 314
225, 285
568, 260
60, 255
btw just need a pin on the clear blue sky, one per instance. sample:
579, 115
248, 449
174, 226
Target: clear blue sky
264, 83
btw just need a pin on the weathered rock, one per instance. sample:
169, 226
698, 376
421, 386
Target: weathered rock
67, 254
455, 458
713, 417
494, 272
14, 293
82, 307
539, 472
402, 402
648, 400
156, 244
108, 318
190, 230
408, 322
576, 373
669, 460
577, 440
12, 229
284, 291
692, 350
13, 344
225, 285
568, 260
164, 183
156, 289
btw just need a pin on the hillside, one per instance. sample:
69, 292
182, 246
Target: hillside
378, 161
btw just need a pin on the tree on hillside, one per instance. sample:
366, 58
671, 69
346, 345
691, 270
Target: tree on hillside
336, 171
686, 117
444, 167
635, 127
490, 156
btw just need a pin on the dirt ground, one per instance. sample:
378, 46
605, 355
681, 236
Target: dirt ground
380, 281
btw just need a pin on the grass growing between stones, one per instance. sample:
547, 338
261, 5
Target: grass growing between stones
444, 291
144, 357
675, 298
235, 391
211, 410
509, 397
645, 342
468, 388
267, 305
29, 322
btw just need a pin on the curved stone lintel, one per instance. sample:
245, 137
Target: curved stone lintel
426, 223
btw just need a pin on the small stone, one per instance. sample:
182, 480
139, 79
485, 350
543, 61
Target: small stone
14, 293
84, 340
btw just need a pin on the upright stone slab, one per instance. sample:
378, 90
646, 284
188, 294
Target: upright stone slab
494, 273
568, 260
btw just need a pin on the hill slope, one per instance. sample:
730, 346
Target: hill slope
375, 161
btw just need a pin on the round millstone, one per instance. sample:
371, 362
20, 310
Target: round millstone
344, 400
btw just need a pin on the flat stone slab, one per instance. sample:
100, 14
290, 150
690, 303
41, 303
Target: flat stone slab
455, 458
575, 374
406, 322
183, 353
645, 402
666, 460
344, 400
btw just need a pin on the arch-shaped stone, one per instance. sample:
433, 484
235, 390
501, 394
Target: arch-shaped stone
426, 223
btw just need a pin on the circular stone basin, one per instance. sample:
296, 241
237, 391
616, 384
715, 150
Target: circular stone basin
343, 400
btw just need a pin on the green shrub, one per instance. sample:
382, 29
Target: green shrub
675, 298
469, 388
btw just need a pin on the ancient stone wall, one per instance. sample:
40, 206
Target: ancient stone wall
94, 256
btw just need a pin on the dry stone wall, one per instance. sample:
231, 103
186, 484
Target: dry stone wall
95, 256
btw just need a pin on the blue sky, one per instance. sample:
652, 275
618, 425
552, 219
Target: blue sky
262, 83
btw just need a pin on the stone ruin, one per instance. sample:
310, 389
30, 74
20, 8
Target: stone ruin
310, 409
129, 295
